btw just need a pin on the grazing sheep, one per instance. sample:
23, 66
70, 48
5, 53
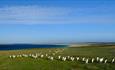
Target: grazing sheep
51, 58
101, 60
13, 56
17, 55
42, 56
59, 57
105, 61
20, 55
24, 55
87, 60
34, 56
10, 56
68, 57
83, 59
37, 54
64, 58
113, 60
72, 58
97, 58
77, 58
46, 55
92, 60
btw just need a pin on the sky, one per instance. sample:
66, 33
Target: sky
57, 21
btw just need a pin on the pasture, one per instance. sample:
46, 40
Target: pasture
54, 59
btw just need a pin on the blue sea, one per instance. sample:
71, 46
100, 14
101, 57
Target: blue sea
28, 46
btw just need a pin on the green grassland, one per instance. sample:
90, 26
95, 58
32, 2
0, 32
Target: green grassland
7, 63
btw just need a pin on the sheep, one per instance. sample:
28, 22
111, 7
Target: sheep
17, 55
51, 58
72, 58
105, 61
10, 56
77, 58
34, 56
83, 59
92, 60
42, 56
24, 55
37, 54
64, 58
68, 57
59, 57
113, 60
20, 55
87, 60
97, 58
46, 55
101, 60
14, 56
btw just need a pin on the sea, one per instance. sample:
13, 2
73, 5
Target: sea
27, 46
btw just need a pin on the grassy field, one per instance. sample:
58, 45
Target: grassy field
7, 63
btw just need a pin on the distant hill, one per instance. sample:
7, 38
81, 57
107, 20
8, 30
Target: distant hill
103, 44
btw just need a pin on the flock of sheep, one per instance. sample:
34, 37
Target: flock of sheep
53, 56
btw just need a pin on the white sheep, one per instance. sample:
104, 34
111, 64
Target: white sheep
51, 58
87, 60
83, 59
64, 58
105, 61
42, 56
46, 55
97, 58
92, 60
72, 58
77, 58
101, 60
19, 55
14, 56
10, 56
59, 57
113, 60
24, 55
34, 56
68, 57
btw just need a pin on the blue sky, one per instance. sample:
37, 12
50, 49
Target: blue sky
57, 21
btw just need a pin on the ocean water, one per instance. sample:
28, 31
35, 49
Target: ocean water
28, 46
